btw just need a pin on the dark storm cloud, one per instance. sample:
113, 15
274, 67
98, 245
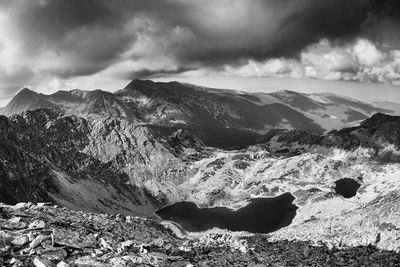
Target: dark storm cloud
287, 28
151, 74
84, 32
275, 28
87, 36
386, 8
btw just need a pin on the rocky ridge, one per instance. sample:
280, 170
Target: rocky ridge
205, 110
379, 134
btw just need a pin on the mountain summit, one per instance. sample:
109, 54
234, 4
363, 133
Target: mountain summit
27, 100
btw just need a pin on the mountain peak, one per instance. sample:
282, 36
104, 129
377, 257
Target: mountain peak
26, 91
148, 87
138, 82
286, 92
25, 95
145, 87
379, 118
27, 99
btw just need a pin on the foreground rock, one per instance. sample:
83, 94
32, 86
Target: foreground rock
44, 235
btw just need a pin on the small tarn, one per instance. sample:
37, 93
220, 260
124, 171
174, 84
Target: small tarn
347, 187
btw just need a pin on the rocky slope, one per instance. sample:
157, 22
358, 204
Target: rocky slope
44, 235
83, 164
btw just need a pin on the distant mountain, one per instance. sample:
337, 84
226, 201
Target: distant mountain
206, 111
27, 100
395, 106
379, 133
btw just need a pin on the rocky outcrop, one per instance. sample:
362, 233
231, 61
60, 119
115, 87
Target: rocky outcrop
5, 127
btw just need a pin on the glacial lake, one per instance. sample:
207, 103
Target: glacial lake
347, 187
261, 215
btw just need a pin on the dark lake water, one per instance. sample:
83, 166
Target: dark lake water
261, 215
347, 187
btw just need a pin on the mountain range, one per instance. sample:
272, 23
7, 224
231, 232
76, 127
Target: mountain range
222, 118
153, 144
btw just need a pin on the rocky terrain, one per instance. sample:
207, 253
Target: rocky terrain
115, 166
107, 165
137, 150
45, 235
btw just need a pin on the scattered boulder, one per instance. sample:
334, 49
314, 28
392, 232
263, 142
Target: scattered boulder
21, 240
38, 224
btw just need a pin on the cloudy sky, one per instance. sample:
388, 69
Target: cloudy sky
48, 45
